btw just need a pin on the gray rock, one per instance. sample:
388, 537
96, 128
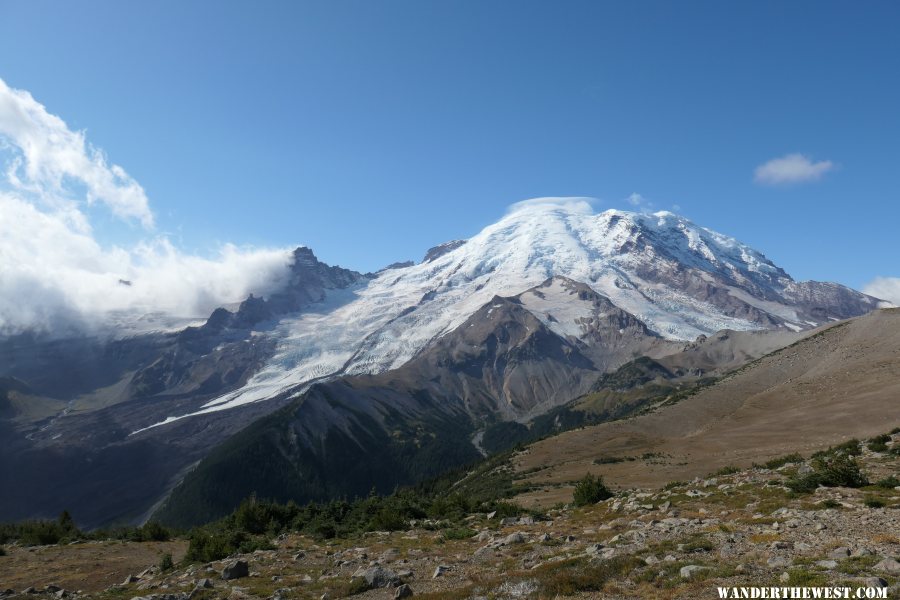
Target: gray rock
839, 553
236, 570
888, 565
404, 591
873, 582
779, 562
784, 577
692, 570
205, 583
594, 549
439, 571
513, 538
827, 564
378, 577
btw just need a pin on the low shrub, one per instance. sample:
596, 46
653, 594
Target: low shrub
777, 463
829, 470
873, 502
888, 483
165, 562
458, 533
727, 470
590, 489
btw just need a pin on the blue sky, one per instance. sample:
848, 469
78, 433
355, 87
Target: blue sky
371, 131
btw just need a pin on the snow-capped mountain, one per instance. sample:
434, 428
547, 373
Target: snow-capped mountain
680, 279
521, 319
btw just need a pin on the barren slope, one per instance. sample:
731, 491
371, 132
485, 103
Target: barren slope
838, 383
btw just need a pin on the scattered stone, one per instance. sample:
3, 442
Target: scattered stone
827, 564
838, 553
205, 583
439, 571
691, 570
779, 562
784, 577
888, 565
378, 577
404, 591
236, 570
513, 538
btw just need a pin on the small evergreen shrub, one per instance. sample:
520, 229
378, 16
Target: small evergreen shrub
590, 489
727, 470
829, 470
873, 502
165, 562
779, 462
888, 483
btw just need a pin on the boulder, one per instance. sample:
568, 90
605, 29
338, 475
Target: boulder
513, 538
439, 571
691, 571
404, 591
888, 565
378, 577
236, 570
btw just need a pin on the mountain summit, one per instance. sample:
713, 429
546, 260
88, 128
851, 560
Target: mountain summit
526, 316
680, 279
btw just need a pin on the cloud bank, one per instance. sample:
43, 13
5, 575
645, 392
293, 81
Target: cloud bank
792, 168
56, 277
886, 288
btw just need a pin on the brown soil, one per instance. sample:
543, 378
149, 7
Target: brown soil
840, 383
89, 566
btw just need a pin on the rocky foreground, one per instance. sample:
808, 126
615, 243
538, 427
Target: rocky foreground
735, 528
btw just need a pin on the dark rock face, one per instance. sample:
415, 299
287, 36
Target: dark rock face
442, 249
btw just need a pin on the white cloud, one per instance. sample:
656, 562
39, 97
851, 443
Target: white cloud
639, 202
573, 203
886, 288
48, 152
55, 276
791, 168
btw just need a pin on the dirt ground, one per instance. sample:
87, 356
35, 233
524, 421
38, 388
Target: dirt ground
89, 566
